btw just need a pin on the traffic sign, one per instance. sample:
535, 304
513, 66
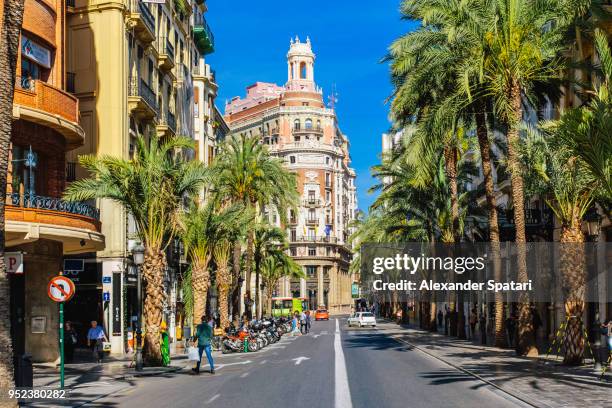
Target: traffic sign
106, 296
106, 279
60, 289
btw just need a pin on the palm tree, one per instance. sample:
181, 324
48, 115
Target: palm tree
202, 226
267, 240
12, 18
523, 45
150, 187
274, 267
586, 130
245, 172
221, 254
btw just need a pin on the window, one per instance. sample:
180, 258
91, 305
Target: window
311, 233
293, 234
328, 196
312, 214
296, 124
292, 159
296, 138
293, 251
302, 70
23, 168
312, 251
318, 125
327, 160
328, 251
327, 180
311, 270
308, 123
311, 196
29, 72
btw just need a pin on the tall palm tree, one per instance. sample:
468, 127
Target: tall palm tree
202, 226
150, 187
524, 43
267, 240
12, 18
245, 172
276, 265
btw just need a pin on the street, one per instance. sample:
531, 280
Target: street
308, 372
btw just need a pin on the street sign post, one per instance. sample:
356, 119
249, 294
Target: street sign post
61, 289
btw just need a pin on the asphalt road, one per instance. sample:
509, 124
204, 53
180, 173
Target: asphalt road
349, 368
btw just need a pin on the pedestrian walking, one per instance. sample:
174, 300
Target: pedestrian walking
606, 330
440, 318
95, 340
473, 321
308, 321
303, 323
483, 328
165, 344
203, 336
511, 328
295, 331
70, 341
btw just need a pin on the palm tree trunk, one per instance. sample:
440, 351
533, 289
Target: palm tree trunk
155, 296
450, 159
485, 156
236, 255
257, 271
12, 18
525, 344
200, 281
249, 267
572, 264
224, 283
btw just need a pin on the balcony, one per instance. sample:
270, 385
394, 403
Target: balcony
166, 54
39, 102
203, 36
142, 21
311, 202
33, 217
141, 99
323, 239
167, 125
312, 221
308, 131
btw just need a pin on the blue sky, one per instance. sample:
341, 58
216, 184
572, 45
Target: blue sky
349, 38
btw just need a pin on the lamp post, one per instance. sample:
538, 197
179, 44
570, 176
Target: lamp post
138, 255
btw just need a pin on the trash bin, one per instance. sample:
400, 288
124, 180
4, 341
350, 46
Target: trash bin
24, 373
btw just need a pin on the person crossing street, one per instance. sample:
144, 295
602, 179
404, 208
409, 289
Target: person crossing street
204, 336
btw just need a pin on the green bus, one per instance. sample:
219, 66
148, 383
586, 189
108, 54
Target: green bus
284, 306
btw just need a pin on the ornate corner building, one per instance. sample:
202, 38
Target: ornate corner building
298, 128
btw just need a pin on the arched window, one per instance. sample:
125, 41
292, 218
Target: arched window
318, 125
302, 70
308, 123
296, 124
291, 71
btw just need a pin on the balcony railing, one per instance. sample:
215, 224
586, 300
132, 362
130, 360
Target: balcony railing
308, 130
147, 16
204, 38
312, 221
171, 121
43, 96
138, 87
311, 202
70, 171
164, 46
52, 204
316, 238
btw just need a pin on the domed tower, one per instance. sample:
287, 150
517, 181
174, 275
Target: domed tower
300, 66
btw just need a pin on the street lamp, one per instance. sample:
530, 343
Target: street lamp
138, 255
593, 223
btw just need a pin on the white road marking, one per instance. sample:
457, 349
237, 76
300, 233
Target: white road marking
299, 360
214, 397
325, 331
263, 362
244, 374
315, 335
218, 366
342, 391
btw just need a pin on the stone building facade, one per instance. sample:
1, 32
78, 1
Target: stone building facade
41, 228
293, 121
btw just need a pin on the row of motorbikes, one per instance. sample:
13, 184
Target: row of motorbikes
252, 337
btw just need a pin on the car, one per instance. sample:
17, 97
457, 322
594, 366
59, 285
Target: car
362, 319
321, 314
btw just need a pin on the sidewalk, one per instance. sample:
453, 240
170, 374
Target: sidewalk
88, 381
539, 382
